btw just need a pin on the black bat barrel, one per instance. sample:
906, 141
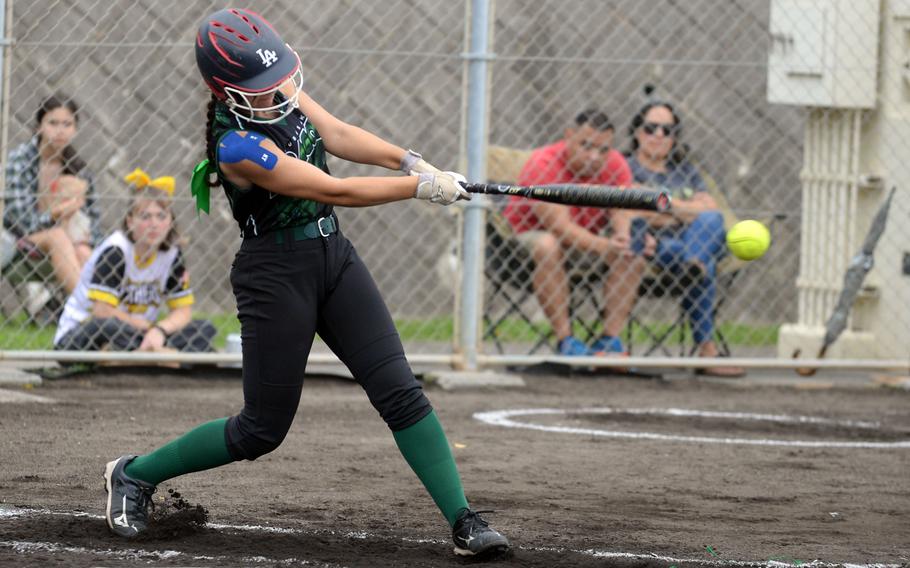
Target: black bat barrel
582, 195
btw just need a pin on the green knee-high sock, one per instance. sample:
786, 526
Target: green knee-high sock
427, 451
203, 447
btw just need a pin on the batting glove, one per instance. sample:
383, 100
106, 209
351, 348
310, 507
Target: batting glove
413, 163
462, 181
443, 187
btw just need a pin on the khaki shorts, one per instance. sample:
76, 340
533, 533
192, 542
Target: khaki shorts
579, 261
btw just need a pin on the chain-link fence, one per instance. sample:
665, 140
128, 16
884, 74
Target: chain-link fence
708, 133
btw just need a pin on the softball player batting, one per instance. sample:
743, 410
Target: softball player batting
296, 275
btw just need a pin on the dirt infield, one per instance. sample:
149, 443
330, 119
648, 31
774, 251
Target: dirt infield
660, 474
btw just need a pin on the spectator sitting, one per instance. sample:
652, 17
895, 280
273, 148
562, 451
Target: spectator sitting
562, 238
49, 194
691, 237
128, 277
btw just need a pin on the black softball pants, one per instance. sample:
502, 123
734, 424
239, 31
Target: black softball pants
286, 293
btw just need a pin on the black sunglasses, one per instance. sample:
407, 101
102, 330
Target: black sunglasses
653, 127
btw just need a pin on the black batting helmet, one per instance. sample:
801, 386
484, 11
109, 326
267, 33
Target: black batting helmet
240, 55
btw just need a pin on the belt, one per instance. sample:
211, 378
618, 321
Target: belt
322, 227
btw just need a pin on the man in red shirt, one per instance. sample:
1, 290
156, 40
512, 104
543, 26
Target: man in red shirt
562, 238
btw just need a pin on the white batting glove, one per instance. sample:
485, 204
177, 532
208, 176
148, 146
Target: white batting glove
413, 163
465, 196
441, 188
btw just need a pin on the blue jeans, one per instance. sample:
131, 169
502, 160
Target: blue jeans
703, 240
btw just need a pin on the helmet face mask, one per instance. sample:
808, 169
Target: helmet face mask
242, 58
239, 102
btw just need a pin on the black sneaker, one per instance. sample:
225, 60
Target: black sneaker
128, 499
473, 536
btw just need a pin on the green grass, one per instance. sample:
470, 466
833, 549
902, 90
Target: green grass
434, 329
225, 324
17, 334
736, 334
517, 330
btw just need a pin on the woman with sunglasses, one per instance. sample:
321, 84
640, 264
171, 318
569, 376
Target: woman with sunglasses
690, 241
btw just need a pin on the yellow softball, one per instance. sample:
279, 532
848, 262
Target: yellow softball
748, 240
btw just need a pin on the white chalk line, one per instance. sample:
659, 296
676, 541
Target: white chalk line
26, 547
137, 554
504, 418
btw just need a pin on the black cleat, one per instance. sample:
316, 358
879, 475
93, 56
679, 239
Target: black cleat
128, 499
473, 536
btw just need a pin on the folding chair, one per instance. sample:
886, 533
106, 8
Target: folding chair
508, 267
659, 283
22, 270
509, 271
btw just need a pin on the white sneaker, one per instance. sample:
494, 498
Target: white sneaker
7, 248
36, 296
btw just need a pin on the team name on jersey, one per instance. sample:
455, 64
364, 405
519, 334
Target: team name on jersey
138, 295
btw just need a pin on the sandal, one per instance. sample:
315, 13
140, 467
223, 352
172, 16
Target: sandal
709, 350
729, 372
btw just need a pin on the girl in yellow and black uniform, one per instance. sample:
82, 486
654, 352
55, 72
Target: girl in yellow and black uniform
133, 276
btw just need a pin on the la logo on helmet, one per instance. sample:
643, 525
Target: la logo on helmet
268, 56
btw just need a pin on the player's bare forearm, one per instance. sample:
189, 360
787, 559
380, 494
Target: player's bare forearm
621, 220
579, 238
659, 220
176, 319
351, 192
104, 310
556, 220
687, 211
358, 145
260, 162
679, 213
366, 191
348, 141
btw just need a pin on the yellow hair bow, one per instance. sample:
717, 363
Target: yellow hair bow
142, 180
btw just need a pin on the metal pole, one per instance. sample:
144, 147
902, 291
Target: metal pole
4, 92
476, 154
136, 357
141, 357
901, 365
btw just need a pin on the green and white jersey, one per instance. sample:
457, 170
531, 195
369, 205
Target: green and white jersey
114, 276
258, 210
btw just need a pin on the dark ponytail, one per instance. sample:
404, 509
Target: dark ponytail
210, 143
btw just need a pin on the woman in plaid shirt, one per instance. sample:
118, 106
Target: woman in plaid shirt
49, 194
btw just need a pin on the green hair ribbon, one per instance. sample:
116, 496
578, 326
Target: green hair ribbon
199, 186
